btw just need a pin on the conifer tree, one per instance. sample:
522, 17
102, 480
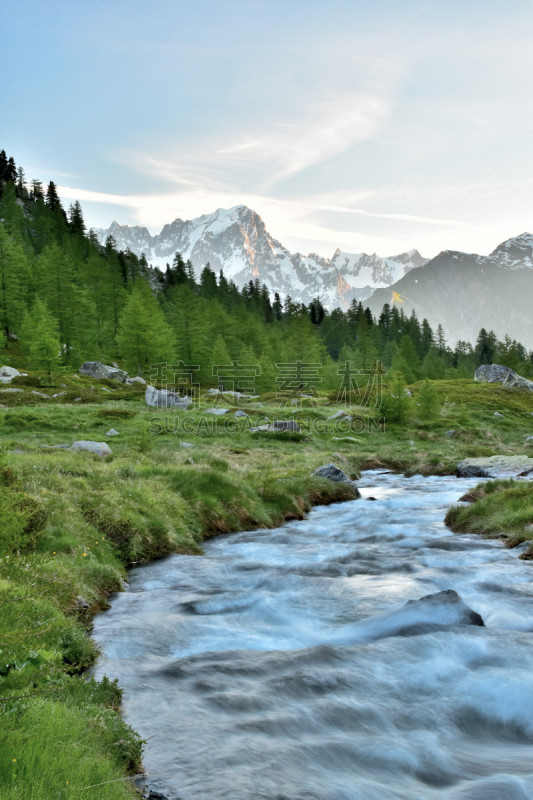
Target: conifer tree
40, 336
220, 359
14, 283
396, 403
144, 336
428, 401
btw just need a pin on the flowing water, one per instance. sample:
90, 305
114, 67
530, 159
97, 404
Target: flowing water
285, 665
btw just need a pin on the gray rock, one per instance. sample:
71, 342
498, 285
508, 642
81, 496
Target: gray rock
218, 412
279, 425
244, 414
58, 394
164, 398
112, 432
285, 425
496, 373
450, 434
456, 612
136, 379
341, 415
81, 603
529, 439
346, 439
98, 448
186, 444
95, 369
497, 414
41, 394
105, 389
9, 372
77, 399
7, 391
495, 467
332, 473
230, 395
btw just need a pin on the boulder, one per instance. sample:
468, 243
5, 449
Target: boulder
285, 425
112, 432
341, 415
450, 434
289, 425
496, 373
449, 608
136, 379
218, 412
9, 372
244, 414
98, 448
498, 414
495, 467
164, 398
332, 473
230, 395
6, 391
95, 369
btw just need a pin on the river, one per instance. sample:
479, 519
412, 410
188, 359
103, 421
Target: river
285, 665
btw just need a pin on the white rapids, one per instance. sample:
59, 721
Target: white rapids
285, 664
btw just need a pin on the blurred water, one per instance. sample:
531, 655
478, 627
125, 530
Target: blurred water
283, 664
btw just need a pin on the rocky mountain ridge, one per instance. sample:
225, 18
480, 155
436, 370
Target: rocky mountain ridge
236, 241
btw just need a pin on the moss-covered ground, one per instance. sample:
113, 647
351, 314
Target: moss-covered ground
72, 523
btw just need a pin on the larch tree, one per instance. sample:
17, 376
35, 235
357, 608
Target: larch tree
144, 336
40, 337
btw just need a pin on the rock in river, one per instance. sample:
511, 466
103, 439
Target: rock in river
496, 467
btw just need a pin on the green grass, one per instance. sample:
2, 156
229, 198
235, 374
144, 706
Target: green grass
502, 509
73, 522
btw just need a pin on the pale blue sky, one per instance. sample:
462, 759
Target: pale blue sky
376, 126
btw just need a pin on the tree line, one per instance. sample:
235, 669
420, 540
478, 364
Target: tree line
65, 298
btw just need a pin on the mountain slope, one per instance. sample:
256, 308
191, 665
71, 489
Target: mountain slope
236, 241
465, 292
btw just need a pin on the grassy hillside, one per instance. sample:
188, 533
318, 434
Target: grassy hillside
73, 523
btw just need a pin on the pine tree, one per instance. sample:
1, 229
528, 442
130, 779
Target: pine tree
396, 404
144, 336
40, 336
52, 198
76, 221
14, 283
428, 400
219, 362
208, 282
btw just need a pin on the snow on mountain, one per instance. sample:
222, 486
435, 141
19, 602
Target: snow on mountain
465, 291
516, 253
236, 241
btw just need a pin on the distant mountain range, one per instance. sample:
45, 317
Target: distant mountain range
466, 292
462, 291
236, 241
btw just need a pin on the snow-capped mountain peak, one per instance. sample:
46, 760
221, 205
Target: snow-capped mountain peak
515, 253
236, 241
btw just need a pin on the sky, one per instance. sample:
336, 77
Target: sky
366, 126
